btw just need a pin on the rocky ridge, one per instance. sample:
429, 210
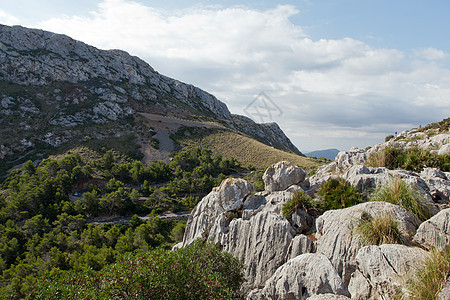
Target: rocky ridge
320, 257
56, 91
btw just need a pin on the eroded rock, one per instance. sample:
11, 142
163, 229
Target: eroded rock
282, 175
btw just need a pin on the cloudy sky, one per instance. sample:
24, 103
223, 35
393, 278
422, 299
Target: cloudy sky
334, 74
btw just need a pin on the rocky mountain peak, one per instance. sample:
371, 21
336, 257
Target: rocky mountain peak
54, 89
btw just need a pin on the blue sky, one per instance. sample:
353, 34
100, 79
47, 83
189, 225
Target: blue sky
344, 73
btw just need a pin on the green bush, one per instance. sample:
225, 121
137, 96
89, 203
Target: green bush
388, 138
430, 277
298, 200
398, 192
381, 229
199, 271
336, 193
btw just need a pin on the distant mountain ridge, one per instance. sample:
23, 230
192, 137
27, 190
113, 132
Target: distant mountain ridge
56, 91
327, 153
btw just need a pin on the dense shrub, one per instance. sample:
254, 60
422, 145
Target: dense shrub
401, 193
377, 230
429, 278
336, 193
199, 271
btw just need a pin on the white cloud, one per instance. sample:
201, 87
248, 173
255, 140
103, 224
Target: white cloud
7, 19
431, 54
328, 89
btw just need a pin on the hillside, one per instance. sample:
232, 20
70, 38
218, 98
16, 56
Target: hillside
243, 148
57, 93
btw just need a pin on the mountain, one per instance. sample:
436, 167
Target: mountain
57, 93
327, 153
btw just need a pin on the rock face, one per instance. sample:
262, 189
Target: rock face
250, 227
435, 232
301, 277
282, 175
227, 197
284, 263
383, 268
63, 87
337, 242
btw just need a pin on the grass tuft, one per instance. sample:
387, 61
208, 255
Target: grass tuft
429, 278
381, 229
403, 194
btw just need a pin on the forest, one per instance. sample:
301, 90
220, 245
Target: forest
48, 212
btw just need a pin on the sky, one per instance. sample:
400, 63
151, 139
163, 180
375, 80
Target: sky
332, 74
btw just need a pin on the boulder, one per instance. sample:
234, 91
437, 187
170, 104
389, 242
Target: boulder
304, 276
384, 269
282, 175
302, 221
444, 150
299, 245
228, 196
337, 242
346, 159
435, 232
438, 184
261, 243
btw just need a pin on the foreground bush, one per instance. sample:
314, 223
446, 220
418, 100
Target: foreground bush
337, 194
377, 230
429, 278
401, 193
199, 271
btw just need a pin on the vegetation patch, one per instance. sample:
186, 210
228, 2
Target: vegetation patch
398, 192
336, 193
411, 159
199, 271
50, 213
429, 278
377, 230
299, 200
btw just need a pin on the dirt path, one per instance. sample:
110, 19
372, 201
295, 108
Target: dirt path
183, 215
164, 127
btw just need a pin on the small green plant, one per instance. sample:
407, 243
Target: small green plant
336, 193
429, 278
398, 192
377, 230
388, 138
298, 200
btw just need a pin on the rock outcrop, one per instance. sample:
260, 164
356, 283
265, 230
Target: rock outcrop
301, 277
335, 238
435, 232
322, 257
282, 175
227, 197
381, 270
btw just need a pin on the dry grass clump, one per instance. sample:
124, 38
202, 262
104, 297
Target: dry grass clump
429, 278
377, 230
401, 193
